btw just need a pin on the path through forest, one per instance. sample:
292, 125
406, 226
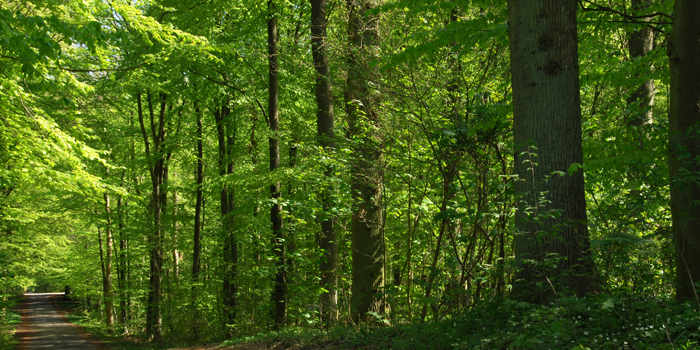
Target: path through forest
44, 328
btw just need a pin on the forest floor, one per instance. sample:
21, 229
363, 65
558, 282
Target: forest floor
608, 321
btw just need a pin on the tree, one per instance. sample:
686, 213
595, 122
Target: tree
158, 157
279, 294
552, 244
684, 144
326, 138
641, 42
367, 174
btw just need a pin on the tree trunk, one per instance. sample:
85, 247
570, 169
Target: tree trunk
159, 174
640, 43
121, 264
552, 244
197, 239
279, 293
226, 139
367, 178
684, 144
107, 280
326, 138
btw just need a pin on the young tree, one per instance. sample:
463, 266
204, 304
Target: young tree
279, 294
552, 244
158, 158
226, 136
367, 178
684, 144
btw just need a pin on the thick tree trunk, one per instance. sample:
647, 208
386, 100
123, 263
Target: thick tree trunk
640, 43
279, 293
552, 244
684, 144
362, 100
197, 239
326, 138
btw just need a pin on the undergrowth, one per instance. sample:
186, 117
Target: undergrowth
9, 320
607, 321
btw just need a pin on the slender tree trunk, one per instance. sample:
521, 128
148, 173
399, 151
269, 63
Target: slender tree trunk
641, 42
197, 239
226, 139
367, 178
547, 137
326, 138
279, 293
159, 174
175, 253
684, 144
107, 278
121, 273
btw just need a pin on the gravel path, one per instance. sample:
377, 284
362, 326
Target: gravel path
44, 328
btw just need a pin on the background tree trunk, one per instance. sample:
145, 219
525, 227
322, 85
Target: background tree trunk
197, 239
552, 244
367, 178
684, 143
326, 138
107, 281
226, 139
279, 293
641, 42
159, 174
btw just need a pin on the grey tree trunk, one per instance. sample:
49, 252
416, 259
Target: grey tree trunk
367, 178
684, 144
641, 42
552, 245
279, 293
326, 138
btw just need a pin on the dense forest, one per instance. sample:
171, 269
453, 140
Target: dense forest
197, 171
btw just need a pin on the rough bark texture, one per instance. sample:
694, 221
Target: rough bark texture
279, 293
226, 139
684, 144
552, 253
326, 138
640, 43
361, 101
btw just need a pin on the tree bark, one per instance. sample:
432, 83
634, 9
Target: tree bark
226, 139
107, 280
367, 178
326, 138
279, 293
684, 144
197, 239
158, 169
552, 245
641, 42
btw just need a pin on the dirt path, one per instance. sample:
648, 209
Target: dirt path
44, 328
